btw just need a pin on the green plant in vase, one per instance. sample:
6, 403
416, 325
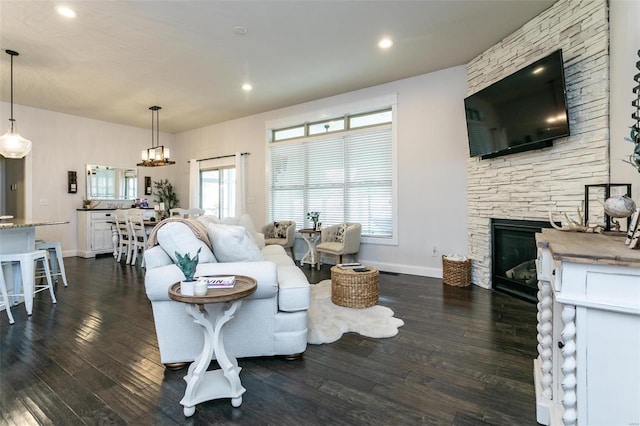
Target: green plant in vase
166, 195
188, 265
314, 217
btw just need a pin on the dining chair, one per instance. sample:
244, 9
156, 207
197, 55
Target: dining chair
124, 237
176, 212
137, 238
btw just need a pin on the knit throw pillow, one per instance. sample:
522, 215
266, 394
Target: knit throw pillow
341, 231
280, 229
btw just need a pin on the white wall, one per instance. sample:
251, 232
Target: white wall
64, 142
432, 152
625, 43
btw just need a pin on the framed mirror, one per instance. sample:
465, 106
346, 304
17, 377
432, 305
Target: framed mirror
111, 183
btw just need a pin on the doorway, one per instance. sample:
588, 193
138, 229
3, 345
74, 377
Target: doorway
12, 189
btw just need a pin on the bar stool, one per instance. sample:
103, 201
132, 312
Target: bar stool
57, 261
5, 296
26, 262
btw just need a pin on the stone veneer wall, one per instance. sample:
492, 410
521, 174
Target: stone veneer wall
528, 184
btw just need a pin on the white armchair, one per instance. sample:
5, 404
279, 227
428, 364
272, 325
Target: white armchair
340, 240
282, 233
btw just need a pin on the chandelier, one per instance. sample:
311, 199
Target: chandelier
12, 145
157, 155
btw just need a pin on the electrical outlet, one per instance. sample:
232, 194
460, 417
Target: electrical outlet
434, 253
44, 202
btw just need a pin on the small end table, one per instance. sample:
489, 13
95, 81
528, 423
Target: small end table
203, 385
311, 237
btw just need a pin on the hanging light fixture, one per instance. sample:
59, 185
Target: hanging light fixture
157, 155
12, 145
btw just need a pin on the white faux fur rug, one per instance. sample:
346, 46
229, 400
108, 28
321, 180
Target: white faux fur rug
327, 322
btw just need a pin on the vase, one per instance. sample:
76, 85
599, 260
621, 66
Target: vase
187, 288
619, 206
200, 288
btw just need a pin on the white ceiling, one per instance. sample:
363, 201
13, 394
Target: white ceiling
118, 58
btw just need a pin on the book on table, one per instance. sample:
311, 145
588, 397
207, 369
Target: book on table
219, 282
349, 265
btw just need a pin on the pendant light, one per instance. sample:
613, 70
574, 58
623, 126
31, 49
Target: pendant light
12, 145
157, 155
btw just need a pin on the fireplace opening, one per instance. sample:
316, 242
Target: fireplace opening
513, 253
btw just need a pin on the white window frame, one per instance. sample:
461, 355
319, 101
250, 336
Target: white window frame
355, 108
214, 164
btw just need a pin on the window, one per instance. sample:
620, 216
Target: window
217, 191
347, 176
349, 121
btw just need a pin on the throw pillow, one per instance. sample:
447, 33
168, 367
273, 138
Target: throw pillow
342, 229
232, 243
280, 229
176, 236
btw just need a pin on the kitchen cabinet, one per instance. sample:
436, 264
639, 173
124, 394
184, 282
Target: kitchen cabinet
95, 235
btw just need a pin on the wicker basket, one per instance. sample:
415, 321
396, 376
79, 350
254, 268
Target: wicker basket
354, 289
456, 272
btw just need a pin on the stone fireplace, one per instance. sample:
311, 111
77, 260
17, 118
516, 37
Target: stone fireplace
530, 185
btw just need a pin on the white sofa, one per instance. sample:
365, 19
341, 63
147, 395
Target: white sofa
271, 321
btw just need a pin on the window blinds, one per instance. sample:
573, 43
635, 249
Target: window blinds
346, 177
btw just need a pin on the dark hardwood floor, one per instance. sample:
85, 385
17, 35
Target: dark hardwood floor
463, 357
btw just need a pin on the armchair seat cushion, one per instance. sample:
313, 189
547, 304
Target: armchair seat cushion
275, 241
331, 247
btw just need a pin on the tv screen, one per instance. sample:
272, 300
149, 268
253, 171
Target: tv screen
525, 110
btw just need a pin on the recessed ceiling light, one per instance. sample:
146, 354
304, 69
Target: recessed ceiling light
247, 87
66, 11
240, 30
385, 43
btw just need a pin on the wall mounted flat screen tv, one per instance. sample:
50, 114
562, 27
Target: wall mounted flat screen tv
523, 111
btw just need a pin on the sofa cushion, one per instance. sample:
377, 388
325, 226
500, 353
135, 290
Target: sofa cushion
245, 220
232, 243
155, 257
176, 236
207, 218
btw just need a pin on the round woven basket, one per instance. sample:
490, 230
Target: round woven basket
456, 272
354, 289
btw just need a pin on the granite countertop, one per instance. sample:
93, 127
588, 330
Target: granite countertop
22, 223
114, 208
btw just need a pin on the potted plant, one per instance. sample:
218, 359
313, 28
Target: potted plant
187, 265
166, 195
315, 217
